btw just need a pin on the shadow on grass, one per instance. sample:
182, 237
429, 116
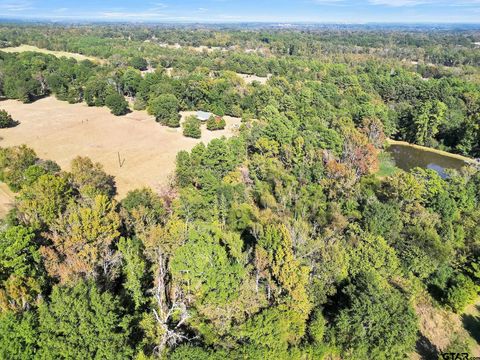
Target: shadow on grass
472, 324
426, 349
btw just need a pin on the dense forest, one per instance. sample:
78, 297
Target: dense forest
281, 242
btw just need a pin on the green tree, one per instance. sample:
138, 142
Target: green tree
216, 281
317, 327
90, 178
96, 90
134, 269
183, 170
18, 335
461, 291
6, 120
165, 109
139, 63
131, 80
14, 161
216, 123
427, 120
117, 104
44, 201
191, 127
148, 203
21, 275
375, 322
81, 322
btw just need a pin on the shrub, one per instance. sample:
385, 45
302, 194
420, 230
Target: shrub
216, 123
139, 104
191, 128
6, 120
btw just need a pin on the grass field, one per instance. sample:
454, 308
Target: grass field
24, 48
60, 131
386, 165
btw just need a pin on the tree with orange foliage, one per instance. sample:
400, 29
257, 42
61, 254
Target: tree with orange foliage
359, 153
81, 241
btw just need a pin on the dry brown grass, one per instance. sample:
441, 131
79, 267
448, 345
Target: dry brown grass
6, 199
440, 326
436, 324
59, 131
473, 311
24, 48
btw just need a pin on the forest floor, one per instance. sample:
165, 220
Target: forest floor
78, 57
60, 131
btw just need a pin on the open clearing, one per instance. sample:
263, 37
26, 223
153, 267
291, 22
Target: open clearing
439, 326
60, 131
24, 48
249, 79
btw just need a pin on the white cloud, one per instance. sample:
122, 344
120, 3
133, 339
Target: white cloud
131, 15
401, 3
327, 2
16, 6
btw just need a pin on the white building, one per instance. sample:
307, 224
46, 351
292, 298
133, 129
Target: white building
203, 116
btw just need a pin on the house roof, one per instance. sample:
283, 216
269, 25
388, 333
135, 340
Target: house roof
203, 115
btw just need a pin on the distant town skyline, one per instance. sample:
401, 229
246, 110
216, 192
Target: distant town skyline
316, 11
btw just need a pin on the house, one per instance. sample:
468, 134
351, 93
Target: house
203, 116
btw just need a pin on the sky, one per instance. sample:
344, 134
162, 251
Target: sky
283, 11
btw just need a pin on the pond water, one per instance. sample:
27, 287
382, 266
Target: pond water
407, 157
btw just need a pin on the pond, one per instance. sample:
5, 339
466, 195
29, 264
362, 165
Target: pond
408, 157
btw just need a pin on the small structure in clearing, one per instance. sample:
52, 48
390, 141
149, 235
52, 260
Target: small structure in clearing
249, 78
203, 115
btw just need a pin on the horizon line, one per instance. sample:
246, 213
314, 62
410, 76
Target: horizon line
225, 22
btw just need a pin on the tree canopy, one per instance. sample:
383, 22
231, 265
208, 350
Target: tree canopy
281, 241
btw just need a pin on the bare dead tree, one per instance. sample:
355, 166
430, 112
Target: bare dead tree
167, 307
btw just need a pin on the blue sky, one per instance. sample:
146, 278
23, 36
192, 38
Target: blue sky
338, 11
